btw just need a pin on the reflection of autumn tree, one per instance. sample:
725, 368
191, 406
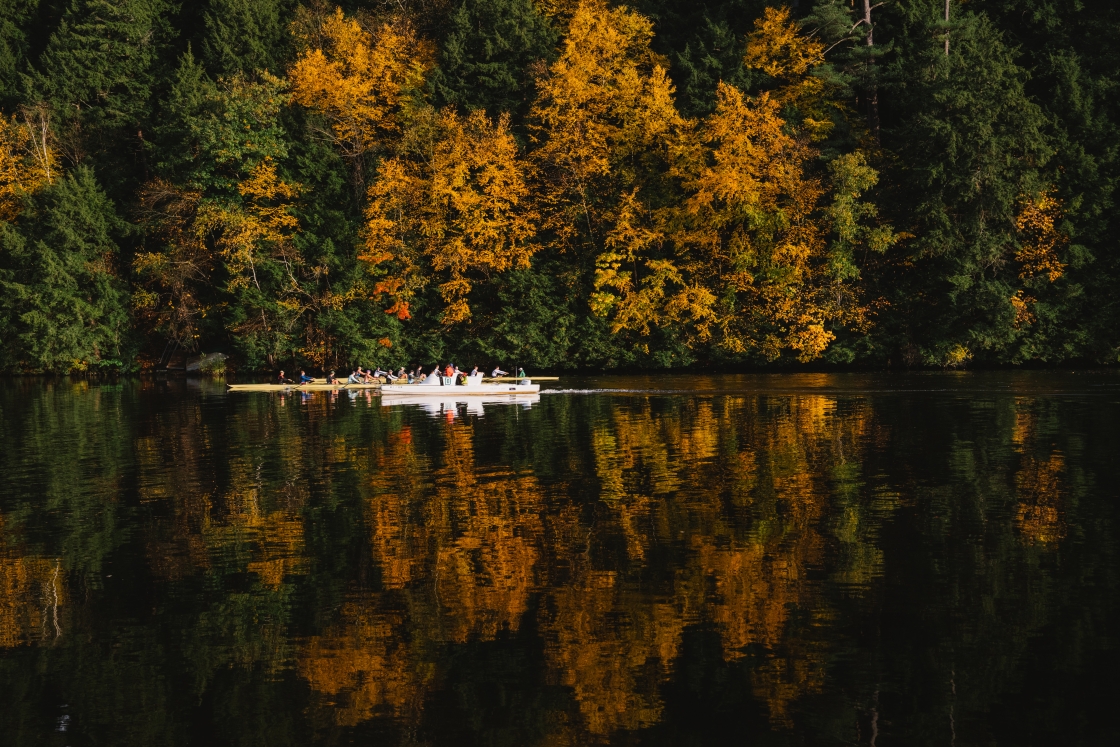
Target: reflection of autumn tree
32, 593
1038, 484
696, 466
250, 524
612, 645
473, 539
364, 666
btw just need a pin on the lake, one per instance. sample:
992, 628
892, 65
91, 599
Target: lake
667, 560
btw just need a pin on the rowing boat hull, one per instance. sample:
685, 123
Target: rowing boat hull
458, 390
298, 388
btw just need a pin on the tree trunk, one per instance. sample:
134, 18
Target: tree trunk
946, 27
873, 86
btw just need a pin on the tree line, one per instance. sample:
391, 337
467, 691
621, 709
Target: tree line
558, 182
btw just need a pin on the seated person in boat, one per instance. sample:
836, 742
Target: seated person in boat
331, 378
521, 373
282, 379
304, 378
356, 377
497, 372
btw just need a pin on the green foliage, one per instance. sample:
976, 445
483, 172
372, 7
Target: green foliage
15, 19
246, 35
487, 56
704, 44
214, 133
101, 64
971, 144
64, 305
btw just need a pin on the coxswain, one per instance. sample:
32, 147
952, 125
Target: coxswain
331, 378
521, 373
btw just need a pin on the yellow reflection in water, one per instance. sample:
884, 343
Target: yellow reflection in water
1039, 481
32, 596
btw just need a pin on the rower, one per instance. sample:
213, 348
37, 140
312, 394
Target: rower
282, 379
356, 377
497, 372
304, 378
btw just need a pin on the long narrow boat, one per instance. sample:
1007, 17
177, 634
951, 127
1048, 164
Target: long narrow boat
447, 386
312, 387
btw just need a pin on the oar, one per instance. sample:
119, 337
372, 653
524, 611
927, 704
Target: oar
519, 378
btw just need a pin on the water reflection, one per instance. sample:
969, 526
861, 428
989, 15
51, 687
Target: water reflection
821, 563
450, 407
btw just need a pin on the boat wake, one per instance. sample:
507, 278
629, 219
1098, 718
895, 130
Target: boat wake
618, 391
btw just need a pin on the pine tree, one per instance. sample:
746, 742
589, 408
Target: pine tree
704, 43
971, 143
16, 17
246, 35
99, 73
63, 304
486, 59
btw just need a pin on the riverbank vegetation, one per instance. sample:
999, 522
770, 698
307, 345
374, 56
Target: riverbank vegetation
562, 183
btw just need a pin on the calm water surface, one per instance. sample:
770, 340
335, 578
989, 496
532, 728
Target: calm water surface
800, 559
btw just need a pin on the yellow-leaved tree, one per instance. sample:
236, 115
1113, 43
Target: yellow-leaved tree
451, 207
359, 80
778, 48
259, 233
604, 125
27, 161
750, 268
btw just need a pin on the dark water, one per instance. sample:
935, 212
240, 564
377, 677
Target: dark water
809, 559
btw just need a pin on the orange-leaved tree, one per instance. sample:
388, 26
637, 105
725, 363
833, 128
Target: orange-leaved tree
750, 267
28, 162
603, 126
750, 232
452, 207
359, 80
778, 48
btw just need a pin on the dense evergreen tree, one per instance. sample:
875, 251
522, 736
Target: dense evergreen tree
488, 55
974, 146
246, 35
63, 304
99, 72
15, 26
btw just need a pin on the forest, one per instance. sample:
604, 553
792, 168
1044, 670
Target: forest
565, 184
